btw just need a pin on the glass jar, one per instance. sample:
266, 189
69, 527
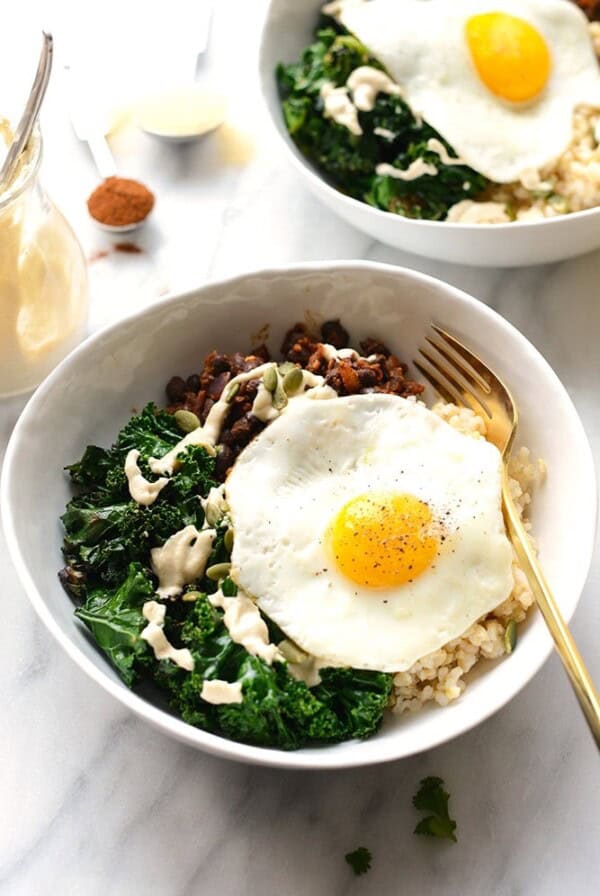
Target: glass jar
43, 280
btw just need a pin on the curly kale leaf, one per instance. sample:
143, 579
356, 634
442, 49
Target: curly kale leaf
115, 620
359, 860
427, 196
390, 133
431, 797
277, 710
152, 432
105, 530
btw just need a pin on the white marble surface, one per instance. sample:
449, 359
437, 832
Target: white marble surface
93, 802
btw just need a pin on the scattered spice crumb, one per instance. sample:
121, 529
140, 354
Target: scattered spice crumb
97, 255
131, 248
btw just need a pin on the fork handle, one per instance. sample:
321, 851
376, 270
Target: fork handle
572, 660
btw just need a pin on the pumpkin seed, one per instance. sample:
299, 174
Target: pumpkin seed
279, 398
232, 392
510, 636
218, 571
186, 420
228, 540
270, 379
293, 380
190, 596
285, 367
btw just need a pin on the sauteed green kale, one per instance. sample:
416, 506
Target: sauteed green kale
390, 134
108, 573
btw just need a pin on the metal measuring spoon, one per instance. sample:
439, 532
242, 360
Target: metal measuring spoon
30, 114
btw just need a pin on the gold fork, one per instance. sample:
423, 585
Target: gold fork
461, 378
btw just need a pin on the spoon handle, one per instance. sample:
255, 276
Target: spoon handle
102, 155
30, 114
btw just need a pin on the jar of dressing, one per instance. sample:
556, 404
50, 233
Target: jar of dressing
43, 277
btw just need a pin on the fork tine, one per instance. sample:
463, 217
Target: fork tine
458, 362
458, 381
442, 387
479, 369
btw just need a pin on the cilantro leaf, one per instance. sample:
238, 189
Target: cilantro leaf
431, 797
359, 860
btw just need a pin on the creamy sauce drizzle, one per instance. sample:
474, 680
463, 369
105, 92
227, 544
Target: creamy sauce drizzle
181, 559
385, 132
214, 506
342, 104
218, 692
334, 354
338, 106
366, 82
468, 212
439, 149
415, 170
262, 407
301, 666
208, 434
245, 625
141, 490
156, 638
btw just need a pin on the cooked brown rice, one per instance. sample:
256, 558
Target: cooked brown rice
440, 675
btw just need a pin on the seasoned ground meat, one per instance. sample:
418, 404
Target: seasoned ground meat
591, 8
335, 334
378, 371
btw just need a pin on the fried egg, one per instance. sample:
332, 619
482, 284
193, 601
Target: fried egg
499, 79
369, 529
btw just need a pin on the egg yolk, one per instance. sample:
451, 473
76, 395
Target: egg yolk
511, 57
382, 540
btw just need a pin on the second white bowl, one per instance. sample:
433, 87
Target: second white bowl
288, 29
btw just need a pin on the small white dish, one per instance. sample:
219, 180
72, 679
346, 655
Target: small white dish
288, 28
182, 114
91, 394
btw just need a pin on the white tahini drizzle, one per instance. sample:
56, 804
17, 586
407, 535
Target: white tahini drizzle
141, 490
338, 106
153, 633
385, 132
302, 666
415, 170
245, 625
439, 149
342, 104
214, 506
468, 212
181, 559
218, 692
338, 354
312, 386
262, 406
365, 82
208, 434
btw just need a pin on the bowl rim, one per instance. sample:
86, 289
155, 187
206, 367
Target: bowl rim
318, 758
319, 181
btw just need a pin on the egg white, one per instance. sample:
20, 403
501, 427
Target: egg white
288, 485
423, 46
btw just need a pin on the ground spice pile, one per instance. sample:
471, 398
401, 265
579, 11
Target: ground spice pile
119, 202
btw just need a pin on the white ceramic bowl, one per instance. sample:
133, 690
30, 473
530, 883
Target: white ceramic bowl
91, 394
288, 28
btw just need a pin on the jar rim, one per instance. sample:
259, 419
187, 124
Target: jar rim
29, 171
